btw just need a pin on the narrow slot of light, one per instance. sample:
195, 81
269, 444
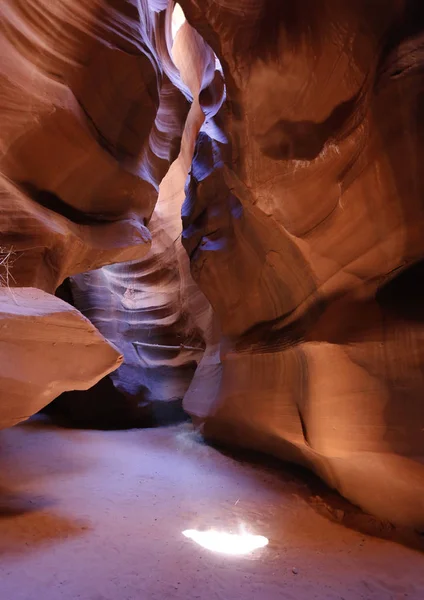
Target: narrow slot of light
178, 19
226, 543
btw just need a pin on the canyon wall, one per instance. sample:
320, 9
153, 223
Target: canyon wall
91, 121
293, 322
304, 232
151, 308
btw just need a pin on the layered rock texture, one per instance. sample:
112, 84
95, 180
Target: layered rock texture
91, 121
301, 217
151, 308
304, 232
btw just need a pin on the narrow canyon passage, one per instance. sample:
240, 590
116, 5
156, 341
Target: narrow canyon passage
100, 515
211, 299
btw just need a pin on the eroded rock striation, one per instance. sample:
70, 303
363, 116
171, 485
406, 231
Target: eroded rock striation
91, 120
151, 308
301, 232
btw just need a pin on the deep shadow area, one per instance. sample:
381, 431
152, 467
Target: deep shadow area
52, 202
103, 407
305, 140
403, 294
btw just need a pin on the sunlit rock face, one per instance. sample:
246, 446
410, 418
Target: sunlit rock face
304, 231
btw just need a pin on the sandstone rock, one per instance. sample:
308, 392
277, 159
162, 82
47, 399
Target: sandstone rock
91, 121
294, 230
90, 124
150, 308
46, 347
302, 217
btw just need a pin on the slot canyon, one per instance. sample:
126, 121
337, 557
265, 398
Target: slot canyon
212, 292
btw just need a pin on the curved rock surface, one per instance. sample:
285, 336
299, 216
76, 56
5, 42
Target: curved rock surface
150, 308
302, 216
46, 347
90, 123
91, 120
302, 232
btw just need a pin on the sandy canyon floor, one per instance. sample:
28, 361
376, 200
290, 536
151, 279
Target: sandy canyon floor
100, 516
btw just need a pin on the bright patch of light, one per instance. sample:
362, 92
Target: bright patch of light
226, 543
178, 19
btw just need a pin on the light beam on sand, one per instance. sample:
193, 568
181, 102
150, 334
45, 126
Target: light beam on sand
226, 543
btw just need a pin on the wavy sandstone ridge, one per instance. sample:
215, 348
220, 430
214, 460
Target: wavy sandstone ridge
150, 308
91, 120
303, 231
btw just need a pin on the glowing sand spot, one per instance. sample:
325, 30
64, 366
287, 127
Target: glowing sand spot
226, 543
